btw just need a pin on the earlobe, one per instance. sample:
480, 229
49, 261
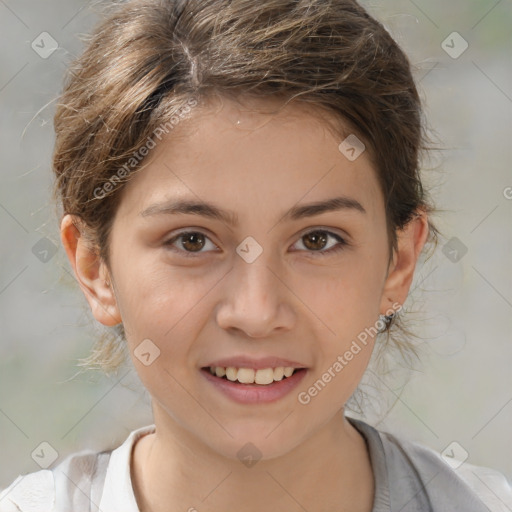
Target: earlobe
91, 273
411, 240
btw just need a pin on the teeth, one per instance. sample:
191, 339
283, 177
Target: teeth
231, 373
265, 376
288, 371
278, 373
246, 375
250, 376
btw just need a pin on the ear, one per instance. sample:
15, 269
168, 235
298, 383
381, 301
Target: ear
91, 272
410, 242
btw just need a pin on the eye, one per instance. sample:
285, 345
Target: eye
191, 242
317, 240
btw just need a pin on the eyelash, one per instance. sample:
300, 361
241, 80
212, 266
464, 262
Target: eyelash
342, 243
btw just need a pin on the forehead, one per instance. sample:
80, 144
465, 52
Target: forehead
254, 154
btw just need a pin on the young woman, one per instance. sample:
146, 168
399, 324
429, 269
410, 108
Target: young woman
242, 203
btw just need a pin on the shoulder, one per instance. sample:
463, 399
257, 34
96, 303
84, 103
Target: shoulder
52, 489
77, 482
490, 485
443, 478
34, 492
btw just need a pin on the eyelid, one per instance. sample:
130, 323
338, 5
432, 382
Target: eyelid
332, 231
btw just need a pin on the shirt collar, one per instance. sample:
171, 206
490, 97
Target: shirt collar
118, 495
377, 454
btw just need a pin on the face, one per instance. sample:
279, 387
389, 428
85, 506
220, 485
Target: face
252, 276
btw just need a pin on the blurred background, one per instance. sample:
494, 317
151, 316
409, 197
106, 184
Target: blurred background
459, 398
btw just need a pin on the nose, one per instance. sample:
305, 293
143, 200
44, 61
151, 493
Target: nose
256, 300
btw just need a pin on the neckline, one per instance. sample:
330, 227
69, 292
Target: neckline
119, 494
377, 454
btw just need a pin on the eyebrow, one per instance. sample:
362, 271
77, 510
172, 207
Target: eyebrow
205, 209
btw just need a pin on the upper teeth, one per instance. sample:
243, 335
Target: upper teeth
251, 376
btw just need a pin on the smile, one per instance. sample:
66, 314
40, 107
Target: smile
254, 386
262, 376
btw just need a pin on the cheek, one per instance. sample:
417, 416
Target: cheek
349, 306
346, 297
148, 291
162, 318
162, 304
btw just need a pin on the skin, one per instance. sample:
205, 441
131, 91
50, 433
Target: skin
291, 302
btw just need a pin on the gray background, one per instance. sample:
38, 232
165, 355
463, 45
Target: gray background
463, 389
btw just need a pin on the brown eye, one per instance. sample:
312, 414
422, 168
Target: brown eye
316, 241
191, 243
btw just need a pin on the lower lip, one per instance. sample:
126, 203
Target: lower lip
255, 393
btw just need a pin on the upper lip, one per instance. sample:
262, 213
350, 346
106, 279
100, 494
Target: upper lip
256, 364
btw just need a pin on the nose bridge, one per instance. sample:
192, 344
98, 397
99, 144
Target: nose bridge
252, 265
256, 282
255, 300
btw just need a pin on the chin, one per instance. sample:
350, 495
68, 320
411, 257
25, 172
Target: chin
261, 440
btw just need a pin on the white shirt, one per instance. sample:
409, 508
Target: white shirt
408, 477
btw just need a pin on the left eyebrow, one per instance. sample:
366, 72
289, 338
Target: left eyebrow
319, 207
210, 210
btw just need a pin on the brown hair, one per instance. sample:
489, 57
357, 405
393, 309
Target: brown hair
149, 59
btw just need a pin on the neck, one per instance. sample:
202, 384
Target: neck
329, 471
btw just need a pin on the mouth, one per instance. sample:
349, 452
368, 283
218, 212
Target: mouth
248, 376
251, 386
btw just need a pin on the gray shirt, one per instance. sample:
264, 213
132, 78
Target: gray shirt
408, 477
